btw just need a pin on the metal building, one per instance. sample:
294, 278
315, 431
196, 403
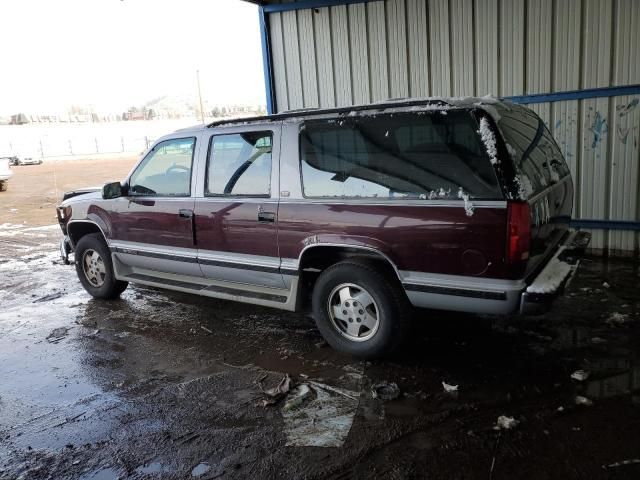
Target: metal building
576, 62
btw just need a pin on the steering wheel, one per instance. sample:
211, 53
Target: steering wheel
178, 168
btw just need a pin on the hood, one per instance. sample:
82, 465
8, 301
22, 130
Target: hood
84, 193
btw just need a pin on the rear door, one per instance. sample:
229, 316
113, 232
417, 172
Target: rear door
543, 176
236, 217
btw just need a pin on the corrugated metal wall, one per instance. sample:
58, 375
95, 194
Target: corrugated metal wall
366, 52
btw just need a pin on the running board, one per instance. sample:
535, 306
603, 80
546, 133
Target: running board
257, 295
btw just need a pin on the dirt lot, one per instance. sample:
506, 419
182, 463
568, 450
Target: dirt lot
34, 190
167, 385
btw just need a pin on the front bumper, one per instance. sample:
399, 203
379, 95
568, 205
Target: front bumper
555, 276
65, 250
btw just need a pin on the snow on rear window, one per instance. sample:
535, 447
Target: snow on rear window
489, 140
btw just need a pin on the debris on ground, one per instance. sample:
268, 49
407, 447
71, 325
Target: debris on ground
321, 344
320, 418
276, 393
57, 334
580, 400
47, 298
206, 329
598, 340
580, 375
449, 388
297, 397
506, 423
606, 285
385, 391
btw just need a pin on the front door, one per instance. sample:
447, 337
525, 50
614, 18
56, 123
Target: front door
154, 224
236, 218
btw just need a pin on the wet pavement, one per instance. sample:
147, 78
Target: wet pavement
168, 385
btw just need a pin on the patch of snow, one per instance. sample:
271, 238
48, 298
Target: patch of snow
580, 400
449, 388
617, 318
525, 188
580, 375
489, 140
506, 423
512, 151
468, 206
551, 277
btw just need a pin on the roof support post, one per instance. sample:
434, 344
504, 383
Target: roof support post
266, 60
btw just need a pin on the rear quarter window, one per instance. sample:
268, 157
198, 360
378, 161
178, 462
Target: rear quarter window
422, 155
536, 155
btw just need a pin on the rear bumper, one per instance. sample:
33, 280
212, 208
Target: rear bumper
539, 295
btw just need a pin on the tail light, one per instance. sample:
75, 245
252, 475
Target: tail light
519, 232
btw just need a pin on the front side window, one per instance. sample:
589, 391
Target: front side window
166, 170
240, 165
405, 155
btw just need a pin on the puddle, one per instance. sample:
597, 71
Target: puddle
614, 385
103, 474
150, 468
200, 469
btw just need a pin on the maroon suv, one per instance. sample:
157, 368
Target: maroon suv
457, 204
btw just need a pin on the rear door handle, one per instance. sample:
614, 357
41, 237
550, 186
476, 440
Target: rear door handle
266, 216
185, 213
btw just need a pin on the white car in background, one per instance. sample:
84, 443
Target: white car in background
5, 174
28, 159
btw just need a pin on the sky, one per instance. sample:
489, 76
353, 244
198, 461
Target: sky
112, 54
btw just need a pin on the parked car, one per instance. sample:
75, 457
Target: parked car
5, 173
361, 213
13, 160
28, 159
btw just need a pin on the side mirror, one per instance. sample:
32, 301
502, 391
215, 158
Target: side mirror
112, 190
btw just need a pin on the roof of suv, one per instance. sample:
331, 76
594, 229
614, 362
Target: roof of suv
487, 103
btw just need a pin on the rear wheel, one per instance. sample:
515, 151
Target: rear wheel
359, 310
3, 186
95, 269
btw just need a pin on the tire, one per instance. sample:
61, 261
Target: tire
3, 186
95, 269
375, 310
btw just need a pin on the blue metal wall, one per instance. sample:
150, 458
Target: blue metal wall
577, 62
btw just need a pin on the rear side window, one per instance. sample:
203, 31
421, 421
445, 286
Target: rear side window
536, 155
240, 165
407, 155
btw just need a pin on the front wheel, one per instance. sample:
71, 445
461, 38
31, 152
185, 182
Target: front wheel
95, 269
359, 310
3, 186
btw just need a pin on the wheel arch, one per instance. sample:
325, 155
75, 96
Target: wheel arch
76, 229
314, 259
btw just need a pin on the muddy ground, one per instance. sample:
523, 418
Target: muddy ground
167, 385
34, 190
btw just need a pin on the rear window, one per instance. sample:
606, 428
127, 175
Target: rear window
408, 155
536, 155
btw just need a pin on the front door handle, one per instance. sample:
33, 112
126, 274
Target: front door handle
266, 216
185, 213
